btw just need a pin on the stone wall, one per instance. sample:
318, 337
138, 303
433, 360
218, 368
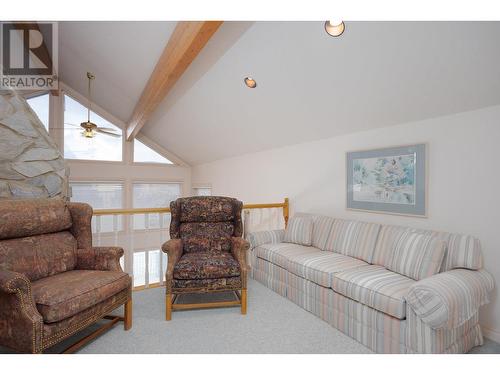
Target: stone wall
31, 165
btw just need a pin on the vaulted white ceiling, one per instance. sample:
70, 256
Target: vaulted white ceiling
121, 55
310, 85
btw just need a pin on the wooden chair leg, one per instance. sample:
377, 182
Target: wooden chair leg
243, 301
168, 307
127, 318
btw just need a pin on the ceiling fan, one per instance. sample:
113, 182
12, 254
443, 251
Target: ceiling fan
89, 128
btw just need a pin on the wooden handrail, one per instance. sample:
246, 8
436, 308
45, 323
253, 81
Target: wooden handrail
138, 211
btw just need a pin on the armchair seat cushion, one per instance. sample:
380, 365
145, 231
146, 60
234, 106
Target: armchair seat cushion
209, 265
206, 285
66, 294
376, 287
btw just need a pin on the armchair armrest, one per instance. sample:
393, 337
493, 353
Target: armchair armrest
448, 299
239, 250
21, 324
173, 248
99, 258
266, 236
14, 282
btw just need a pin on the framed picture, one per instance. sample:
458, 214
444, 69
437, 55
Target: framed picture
390, 180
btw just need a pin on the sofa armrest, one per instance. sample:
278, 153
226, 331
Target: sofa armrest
448, 299
21, 324
266, 236
100, 258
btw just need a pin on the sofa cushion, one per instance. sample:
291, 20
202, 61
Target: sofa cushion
376, 287
299, 230
39, 256
353, 238
206, 266
322, 228
319, 266
462, 251
417, 255
31, 217
280, 253
66, 294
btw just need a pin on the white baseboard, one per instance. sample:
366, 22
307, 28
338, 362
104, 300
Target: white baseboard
491, 334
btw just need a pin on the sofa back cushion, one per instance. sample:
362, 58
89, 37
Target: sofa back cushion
461, 251
417, 255
200, 237
39, 256
353, 238
299, 230
322, 228
29, 217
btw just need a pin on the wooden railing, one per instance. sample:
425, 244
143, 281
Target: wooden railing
137, 211
142, 236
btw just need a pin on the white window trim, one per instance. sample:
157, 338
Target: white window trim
106, 181
66, 90
176, 161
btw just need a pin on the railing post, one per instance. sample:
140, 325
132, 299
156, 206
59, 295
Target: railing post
286, 210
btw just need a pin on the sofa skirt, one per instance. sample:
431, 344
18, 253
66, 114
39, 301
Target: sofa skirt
379, 332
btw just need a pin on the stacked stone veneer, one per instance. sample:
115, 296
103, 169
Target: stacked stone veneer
31, 165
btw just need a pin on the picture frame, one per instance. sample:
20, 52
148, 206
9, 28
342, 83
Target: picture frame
390, 180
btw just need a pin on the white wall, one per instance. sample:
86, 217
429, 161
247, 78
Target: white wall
464, 180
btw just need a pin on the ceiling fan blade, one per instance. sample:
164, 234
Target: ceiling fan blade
106, 129
108, 133
70, 124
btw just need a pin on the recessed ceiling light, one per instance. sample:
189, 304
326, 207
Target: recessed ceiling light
250, 82
335, 28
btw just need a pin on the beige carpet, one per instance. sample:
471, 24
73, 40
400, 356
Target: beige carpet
273, 325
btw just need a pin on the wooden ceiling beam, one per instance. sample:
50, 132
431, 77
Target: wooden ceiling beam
186, 42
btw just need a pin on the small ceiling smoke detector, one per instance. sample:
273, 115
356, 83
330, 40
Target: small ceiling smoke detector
335, 28
250, 82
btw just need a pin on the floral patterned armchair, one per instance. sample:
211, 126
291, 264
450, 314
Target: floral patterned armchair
53, 282
206, 252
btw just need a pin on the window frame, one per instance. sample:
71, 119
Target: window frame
35, 94
201, 186
125, 219
152, 181
66, 91
148, 143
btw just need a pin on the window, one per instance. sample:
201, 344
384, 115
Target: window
76, 146
153, 195
40, 105
153, 273
100, 195
145, 154
202, 191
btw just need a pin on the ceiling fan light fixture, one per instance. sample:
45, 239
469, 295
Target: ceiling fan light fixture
335, 27
250, 82
88, 133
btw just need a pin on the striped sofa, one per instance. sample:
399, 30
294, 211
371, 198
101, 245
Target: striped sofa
394, 289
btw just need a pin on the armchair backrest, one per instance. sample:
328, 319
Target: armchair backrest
40, 237
206, 224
